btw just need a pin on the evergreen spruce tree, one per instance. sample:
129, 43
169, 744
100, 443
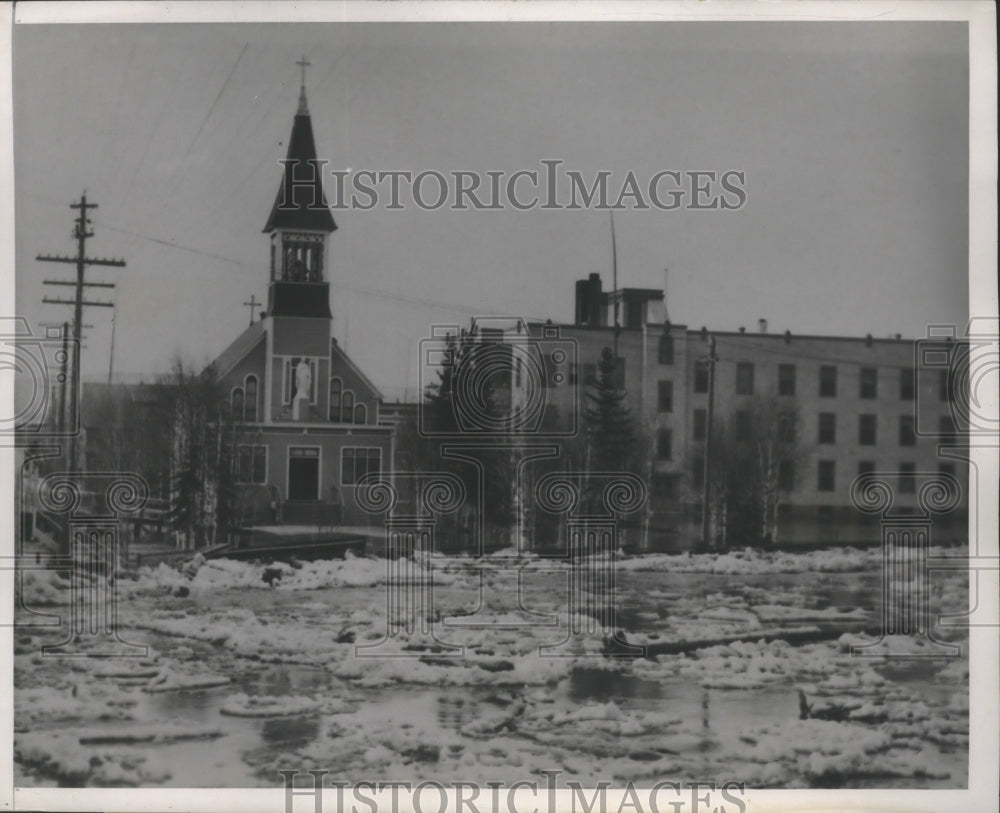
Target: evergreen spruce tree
610, 433
443, 400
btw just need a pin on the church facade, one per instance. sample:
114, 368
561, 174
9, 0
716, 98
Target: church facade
308, 417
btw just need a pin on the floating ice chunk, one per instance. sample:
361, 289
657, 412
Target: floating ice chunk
169, 680
243, 705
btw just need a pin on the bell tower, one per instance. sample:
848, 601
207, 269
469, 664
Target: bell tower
299, 225
298, 316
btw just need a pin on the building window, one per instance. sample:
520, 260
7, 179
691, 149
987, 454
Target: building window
865, 467
336, 393
826, 475
633, 314
664, 444
360, 413
665, 396
869, 382
744, 378
787, 426
252, 463
701, 376
827, 381
786, 379
907, 478
347, 407
665, 351
786, 475
907, 436
296, 377
358, 462
237, 403
867, 430
827, 427
700, 424
250, 399
741, 424
698, 473
906, 382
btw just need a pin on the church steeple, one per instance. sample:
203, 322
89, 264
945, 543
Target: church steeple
299, 224
300, 202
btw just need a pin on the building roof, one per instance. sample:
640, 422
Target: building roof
301, 189
337, 350
240, 347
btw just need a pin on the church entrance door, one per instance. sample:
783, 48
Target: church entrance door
303, 473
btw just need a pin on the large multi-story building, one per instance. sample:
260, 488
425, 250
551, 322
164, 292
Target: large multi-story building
856, 405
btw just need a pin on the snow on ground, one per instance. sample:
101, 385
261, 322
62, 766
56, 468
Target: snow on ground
223, 574
751, 561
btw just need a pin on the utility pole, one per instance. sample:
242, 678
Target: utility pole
111, 354
63, 377
706, 511
614, 282
81, 232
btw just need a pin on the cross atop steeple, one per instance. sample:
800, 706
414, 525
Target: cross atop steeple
253, 304
303, 105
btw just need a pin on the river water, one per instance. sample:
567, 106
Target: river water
708, 726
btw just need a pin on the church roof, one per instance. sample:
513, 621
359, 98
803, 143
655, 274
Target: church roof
302, 183
238, 350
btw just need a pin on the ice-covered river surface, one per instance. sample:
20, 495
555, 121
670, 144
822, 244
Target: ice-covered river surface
241, 679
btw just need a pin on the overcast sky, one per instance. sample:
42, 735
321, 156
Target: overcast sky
853, 138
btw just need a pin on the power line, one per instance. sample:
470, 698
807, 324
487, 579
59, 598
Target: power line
170, 192
450, 307
172, 244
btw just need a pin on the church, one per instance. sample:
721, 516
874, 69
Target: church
308, 416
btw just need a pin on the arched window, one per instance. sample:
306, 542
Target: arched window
237, 403
360, 413
666, 349
250, 400
347, 407
336, 390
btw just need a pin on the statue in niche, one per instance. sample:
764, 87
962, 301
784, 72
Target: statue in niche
303, 383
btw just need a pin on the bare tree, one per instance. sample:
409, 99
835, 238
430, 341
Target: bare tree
757, 450
205, 435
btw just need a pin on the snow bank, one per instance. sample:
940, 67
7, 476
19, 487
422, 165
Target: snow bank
58, 756
230, 574
754, 561
40, 588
